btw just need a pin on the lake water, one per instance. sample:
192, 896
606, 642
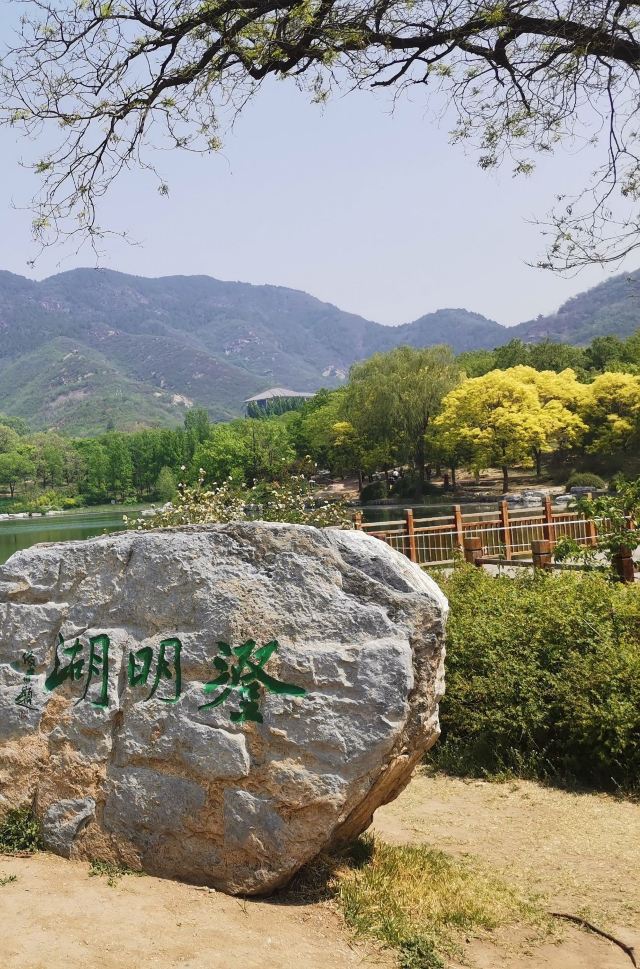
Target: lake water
19, 533
386, 513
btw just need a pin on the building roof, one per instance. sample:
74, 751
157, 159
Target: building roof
275, 392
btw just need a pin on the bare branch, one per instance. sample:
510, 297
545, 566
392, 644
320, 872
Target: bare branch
120, 76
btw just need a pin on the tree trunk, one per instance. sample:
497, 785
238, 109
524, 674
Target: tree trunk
538, 457
505, 478
420, 463
453, 479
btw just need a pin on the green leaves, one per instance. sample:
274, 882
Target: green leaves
19, 831
543, 678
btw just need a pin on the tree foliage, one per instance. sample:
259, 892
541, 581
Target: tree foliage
392, 398
611, 409
521, 77
501, 420
409, 408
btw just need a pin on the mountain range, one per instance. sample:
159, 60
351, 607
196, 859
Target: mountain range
89, 349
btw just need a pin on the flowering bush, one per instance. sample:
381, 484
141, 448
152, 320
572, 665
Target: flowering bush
292, 500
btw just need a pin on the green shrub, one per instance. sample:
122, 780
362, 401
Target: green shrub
110, 870
19, 832
375, 491
50, 500
73, 501
584, 479
410, 487
543, 678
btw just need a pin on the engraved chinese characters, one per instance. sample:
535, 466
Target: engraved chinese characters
240, 673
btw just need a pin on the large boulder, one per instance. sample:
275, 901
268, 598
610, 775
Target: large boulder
214, 703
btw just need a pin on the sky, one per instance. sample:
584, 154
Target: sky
359, 205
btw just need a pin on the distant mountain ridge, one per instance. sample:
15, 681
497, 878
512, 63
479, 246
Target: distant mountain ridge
612, 308
90, 349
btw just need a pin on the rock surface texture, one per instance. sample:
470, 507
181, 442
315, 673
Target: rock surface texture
145, 722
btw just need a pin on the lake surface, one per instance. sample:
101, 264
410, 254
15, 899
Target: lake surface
20, 533
386, 513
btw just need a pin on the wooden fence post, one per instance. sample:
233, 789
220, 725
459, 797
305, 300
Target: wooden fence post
473, 550
541, 553
624, 565
548, 528
506, 529
357, 521
457, 524
411, 535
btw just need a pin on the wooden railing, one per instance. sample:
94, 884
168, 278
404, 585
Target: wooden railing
506, 533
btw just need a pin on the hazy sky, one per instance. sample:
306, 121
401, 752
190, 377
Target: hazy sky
370, 210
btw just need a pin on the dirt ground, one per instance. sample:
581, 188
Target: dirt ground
581, 853
54, 916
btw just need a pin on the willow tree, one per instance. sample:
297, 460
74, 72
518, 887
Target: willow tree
112, 76
392, 399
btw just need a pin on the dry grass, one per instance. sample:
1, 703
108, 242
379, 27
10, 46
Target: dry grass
581, 851
419, 901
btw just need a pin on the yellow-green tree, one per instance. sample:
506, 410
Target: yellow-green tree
611, 409
561, 396
499, 420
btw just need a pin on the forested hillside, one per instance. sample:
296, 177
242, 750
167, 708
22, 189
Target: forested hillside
611, 309
90, 350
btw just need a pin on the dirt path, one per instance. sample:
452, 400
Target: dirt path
54, 916
579, 852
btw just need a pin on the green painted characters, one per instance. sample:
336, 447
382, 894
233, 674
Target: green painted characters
95, 667
240, 674
139, 668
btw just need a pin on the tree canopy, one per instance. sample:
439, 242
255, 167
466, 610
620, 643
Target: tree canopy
521, 77
507, 417
392, 398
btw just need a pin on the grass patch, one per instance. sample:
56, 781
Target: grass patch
19, 832
111, 871
7, 880
416, 900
